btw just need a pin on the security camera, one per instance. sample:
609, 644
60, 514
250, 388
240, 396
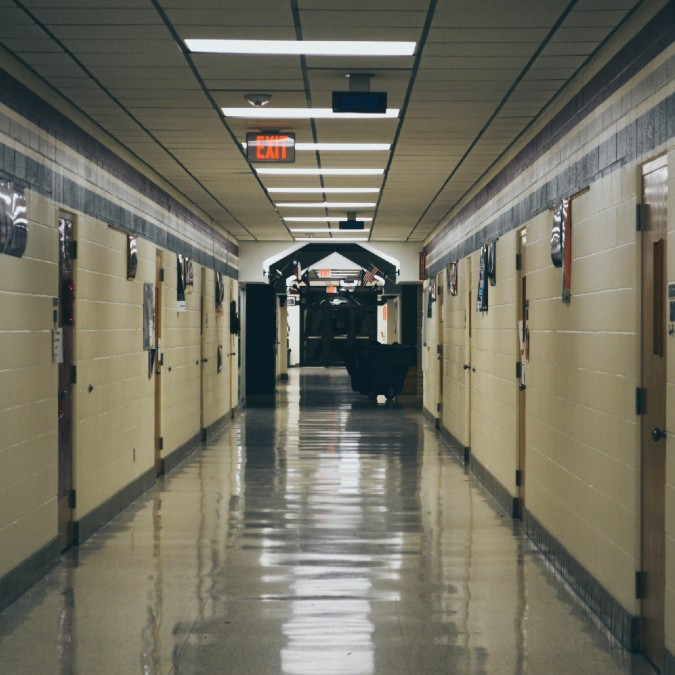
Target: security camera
258, 100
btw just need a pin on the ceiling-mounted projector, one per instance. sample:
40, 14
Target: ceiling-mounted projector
351, 224
367, 102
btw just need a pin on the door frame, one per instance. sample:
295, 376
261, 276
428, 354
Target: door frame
66, 381
159, 362
653, 381
523, 357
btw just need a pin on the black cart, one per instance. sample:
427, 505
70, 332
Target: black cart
376, 369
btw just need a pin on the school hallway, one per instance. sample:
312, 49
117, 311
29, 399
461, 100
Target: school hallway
321, 533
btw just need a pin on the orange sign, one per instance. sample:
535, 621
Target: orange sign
270, 147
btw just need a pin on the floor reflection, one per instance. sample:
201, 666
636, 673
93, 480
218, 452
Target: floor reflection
325, 534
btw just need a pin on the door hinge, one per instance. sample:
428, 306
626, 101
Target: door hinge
519, 370
519, 262
640, 217
72, 499
73, 374
519, 478
72, 252
640, 581
439, 407
161, 274
439, 350
160, 443
640, 401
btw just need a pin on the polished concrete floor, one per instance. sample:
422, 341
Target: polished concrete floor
329, 534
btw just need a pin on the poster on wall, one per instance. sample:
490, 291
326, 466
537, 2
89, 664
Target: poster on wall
220, 293
13, 220
482, 295
181, 305
132, 256
148, 316
561, 245
452, 278
492, 263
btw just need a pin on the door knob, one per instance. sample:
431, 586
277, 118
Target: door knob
658, 434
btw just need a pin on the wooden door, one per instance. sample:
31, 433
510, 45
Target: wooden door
203, 351
523, 352
655, 196
440, 347
65, 491
159, 361
468, 312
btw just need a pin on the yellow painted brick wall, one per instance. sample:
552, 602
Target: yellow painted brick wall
582, 479
181, 384
216, 385
455, 345
113, 429
28, 385
494, 388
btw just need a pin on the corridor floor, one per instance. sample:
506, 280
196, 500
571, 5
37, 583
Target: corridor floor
329, 534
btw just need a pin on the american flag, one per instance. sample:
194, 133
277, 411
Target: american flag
369, 276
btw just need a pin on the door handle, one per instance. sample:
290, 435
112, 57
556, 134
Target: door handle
658, 434
205, 360
466, 366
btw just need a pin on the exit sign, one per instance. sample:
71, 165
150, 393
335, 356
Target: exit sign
270, 147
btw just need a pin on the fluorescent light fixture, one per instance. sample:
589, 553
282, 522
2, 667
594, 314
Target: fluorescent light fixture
328, 205
309, 230
304, 47
304, 114
313, 190
345, 147
330, 238
340, 147
283, 171
312, 219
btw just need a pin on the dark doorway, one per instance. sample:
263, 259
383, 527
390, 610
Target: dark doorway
261, 339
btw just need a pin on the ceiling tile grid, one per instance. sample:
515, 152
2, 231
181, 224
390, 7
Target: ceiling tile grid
482, 72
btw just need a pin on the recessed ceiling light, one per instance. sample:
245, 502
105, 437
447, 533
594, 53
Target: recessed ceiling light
315, 190
306, 47
304, 114
323, 230
328, 205
319, 172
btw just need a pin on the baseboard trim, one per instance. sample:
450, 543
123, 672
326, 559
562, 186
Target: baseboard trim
668, 663
463, 451
18, 580
499, 493
431, 418
174, 458
112, 507
621, 623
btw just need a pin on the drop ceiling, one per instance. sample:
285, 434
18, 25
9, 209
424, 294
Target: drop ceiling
481, 74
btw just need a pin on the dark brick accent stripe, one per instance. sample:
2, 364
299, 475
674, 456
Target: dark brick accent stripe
648, 132
30, 571
623, 625
28, 172
501, 495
